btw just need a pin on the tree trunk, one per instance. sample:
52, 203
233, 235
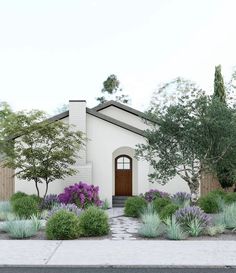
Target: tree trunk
36, 186
194, 184
46, 190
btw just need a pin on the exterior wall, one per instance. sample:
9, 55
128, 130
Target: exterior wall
124, 116
105, 140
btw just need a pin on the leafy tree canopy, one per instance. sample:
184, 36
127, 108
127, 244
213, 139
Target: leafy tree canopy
111, 91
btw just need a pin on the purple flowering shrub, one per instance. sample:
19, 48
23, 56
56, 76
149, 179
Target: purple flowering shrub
49, 201
187, 215
69, 207
181, 199
153, 194
81, 194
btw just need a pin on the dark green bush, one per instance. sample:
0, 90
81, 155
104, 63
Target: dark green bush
93, 222
63, 225
17, 195
209, 203
230, 197
218, 192
160, 203
134, 206
36, 198
25, 207
168, 211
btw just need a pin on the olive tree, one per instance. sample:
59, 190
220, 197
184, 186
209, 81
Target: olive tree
39, 149
188, 138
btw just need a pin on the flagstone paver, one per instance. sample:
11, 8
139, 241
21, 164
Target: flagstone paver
124, 228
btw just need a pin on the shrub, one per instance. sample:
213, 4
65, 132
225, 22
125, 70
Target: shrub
230, 197
36, 198
214, 230
160, 203
228, 216
20, 229
151, 195
69, 207
17, 195
94, 222
168, 211
195, 227
134, 206
25, 207
81, 194
185, 216
181, 199
63, 225
5, 209
49, 202
151, 225
218, 192
209, 203
174, 231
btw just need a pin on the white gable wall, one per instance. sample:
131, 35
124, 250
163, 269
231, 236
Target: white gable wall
124, 116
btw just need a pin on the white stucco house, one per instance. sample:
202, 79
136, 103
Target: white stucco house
108, 161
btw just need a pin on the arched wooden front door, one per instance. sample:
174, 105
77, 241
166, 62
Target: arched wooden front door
123, 175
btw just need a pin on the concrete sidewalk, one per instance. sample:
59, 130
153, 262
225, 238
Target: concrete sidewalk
105, 253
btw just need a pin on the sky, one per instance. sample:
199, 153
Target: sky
52, 51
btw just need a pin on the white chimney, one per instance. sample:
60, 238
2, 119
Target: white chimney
77, 117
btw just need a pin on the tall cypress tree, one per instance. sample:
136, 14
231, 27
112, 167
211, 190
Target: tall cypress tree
219, 87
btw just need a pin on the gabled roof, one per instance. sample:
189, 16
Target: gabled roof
120, 106
95, 112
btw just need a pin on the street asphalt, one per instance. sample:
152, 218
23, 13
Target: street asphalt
113, 270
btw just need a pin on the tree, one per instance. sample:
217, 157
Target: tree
189, 138
219, 87
111, 86
225, 170
171, 92
41, 150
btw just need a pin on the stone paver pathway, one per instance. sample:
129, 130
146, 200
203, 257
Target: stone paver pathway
124, 228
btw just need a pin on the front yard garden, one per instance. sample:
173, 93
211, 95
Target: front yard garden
78, 213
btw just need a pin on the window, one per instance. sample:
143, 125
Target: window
123, 163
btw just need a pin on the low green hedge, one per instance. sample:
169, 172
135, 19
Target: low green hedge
63, 225
134, 206
160, 203
94, 222
168, 211
25, 207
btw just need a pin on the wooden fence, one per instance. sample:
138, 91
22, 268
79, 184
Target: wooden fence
6, 183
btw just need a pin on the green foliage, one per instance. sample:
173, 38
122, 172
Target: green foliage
105, 204
168, 211
230, 197
5, 209
20, 229
17, 195
25, 207
174, 230
63, 225
111, 86
214, 230
151, 226
160, 203
134, 206
195, 228
219, 87
209, 203
94, 222
183, 135
45, 151
227, 217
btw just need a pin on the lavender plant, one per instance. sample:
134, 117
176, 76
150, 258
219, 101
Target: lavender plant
69, 207
186, 215
49, 202
153, 194
181, 199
